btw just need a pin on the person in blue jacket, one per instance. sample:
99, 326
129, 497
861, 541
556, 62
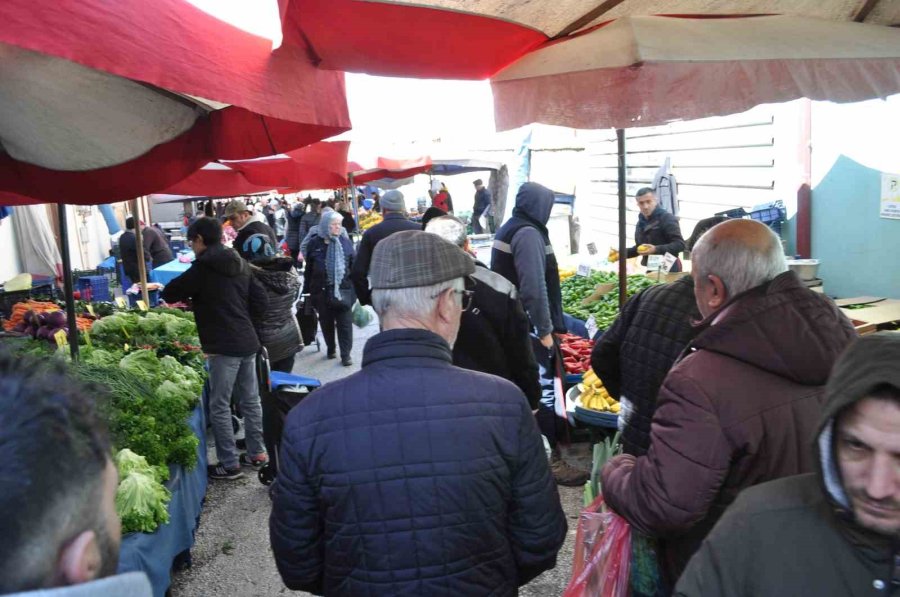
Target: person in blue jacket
413, 476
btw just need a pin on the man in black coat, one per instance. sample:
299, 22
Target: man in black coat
154, 243
413, 476
494, 333
393, 206
129, 253
247, 223
226, 299
657, 231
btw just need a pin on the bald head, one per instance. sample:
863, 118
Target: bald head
731, 258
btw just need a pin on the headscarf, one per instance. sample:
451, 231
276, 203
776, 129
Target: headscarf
335, 264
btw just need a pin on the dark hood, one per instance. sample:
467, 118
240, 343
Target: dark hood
534, 202
223, 260
278, 276
781, 327
869, 362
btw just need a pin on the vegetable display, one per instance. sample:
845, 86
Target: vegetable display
576, 352
153, 370
606, 308
148, 412
141, 499
41, 320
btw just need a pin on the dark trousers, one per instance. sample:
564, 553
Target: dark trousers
285, 365
546, 414
331, 320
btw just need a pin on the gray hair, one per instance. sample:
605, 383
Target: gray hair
449, 228
740, 266
414, 302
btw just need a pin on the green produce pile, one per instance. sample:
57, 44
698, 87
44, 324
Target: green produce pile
141, 499
170, 332
153, 368
151, 400
605, 310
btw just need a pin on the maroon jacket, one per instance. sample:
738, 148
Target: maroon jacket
739, 408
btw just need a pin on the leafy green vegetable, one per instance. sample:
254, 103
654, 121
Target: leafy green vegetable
128, 461
143, 364
141, 502
99, 356
145, 420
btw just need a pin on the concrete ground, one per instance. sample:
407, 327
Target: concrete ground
232, 556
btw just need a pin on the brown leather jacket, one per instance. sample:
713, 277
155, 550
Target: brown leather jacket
740, 408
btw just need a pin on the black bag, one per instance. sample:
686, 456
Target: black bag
345, 303
308, 321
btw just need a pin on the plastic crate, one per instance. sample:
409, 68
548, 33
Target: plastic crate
738, 212
153, 295
94, 288
771, 214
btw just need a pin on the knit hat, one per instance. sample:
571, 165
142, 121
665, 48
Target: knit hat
415, 258
393, 201
258, 247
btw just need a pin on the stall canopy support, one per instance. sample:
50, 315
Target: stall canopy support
623, 270
68, 284
353, 201
139, 243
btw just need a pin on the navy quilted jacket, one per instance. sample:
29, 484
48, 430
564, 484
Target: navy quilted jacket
414, 477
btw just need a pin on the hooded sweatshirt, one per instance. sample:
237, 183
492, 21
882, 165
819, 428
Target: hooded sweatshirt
226, 298
798, 536
739, 409
522, 254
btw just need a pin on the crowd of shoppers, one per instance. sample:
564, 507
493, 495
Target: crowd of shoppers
761, 437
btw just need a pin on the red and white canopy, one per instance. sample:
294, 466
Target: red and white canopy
647, 70
103, 101
474, 39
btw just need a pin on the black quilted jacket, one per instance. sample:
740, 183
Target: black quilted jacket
634, 356
414, 477
277, 328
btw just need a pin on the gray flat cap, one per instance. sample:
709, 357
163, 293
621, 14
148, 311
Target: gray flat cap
415, 258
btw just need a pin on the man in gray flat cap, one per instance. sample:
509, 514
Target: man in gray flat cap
393, 206
413, 476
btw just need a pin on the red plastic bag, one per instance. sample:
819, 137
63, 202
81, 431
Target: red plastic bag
602, 560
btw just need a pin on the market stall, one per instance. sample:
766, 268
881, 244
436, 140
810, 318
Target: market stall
152, 367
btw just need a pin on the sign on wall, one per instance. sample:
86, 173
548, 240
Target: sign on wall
890, 196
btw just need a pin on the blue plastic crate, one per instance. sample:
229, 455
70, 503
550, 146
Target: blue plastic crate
94, 288
769, 215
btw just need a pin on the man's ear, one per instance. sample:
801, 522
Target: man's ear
79, 561
719, 295
447, 305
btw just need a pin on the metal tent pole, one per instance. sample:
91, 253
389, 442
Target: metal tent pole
623, 270
68, 285
354, 203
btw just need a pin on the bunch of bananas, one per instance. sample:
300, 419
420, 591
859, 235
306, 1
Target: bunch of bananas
594, 396
369, 220
565, 273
